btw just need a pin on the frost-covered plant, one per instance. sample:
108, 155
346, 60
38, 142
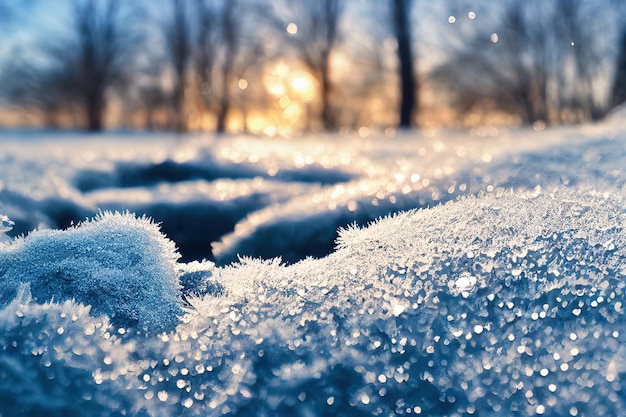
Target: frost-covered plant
118, 264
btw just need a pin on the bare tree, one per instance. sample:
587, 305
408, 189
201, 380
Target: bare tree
543, 61
506, 67
12, 16
230, 39
95, 57
178, 44
206, 44
578, 25
76, 70
618, 89
239, 48
101, 57
39, 91
207, 49
546, 60
408, 81
317, 34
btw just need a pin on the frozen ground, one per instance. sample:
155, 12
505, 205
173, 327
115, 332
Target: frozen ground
499, 292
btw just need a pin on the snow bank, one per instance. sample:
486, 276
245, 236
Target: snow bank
306, 225
500, 304
117, 264
277, 197
57, 360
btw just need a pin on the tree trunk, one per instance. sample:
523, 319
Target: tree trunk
328, 119
618, 90
408, 104
95, 112
224, 102
178, 99
222, 116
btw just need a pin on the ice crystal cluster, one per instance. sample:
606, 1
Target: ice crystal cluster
501, 304
117, 264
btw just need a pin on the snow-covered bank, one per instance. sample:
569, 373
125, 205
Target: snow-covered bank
507, 304
219, 197
498, 292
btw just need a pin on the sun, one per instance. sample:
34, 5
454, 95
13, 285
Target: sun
293, 88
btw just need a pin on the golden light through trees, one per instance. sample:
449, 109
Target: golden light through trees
290, 66
293, 90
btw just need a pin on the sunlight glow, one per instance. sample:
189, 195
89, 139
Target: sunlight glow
293, 88
304, 85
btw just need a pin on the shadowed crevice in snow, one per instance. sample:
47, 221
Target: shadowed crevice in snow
137, 175
194, 225
30, 214
293, 239
293, 235
195, 214
315, 174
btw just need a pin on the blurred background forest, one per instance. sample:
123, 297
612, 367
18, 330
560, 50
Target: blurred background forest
281, 67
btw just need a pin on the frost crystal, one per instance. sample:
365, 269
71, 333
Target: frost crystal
463, 284
119, 265
506, 302
6, 225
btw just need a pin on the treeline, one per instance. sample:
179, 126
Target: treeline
283, 66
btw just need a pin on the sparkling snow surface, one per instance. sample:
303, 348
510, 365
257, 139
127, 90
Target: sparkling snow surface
496, 289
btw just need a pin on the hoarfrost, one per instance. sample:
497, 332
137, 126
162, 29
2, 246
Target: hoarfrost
119, 265
379, 327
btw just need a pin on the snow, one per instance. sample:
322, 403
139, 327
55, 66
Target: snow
118, 265
454, 274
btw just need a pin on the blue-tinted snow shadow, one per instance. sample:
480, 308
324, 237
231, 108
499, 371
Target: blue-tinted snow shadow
140, 175
194, 225
29, 214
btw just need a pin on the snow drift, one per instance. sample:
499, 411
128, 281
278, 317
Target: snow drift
501, 304
118, 265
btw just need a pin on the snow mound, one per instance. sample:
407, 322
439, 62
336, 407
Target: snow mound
118, 264
57, 360
502, 304
508, 304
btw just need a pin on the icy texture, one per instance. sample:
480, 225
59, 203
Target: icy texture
273, 197
5, 225
496, 305
57, 360
118, 264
